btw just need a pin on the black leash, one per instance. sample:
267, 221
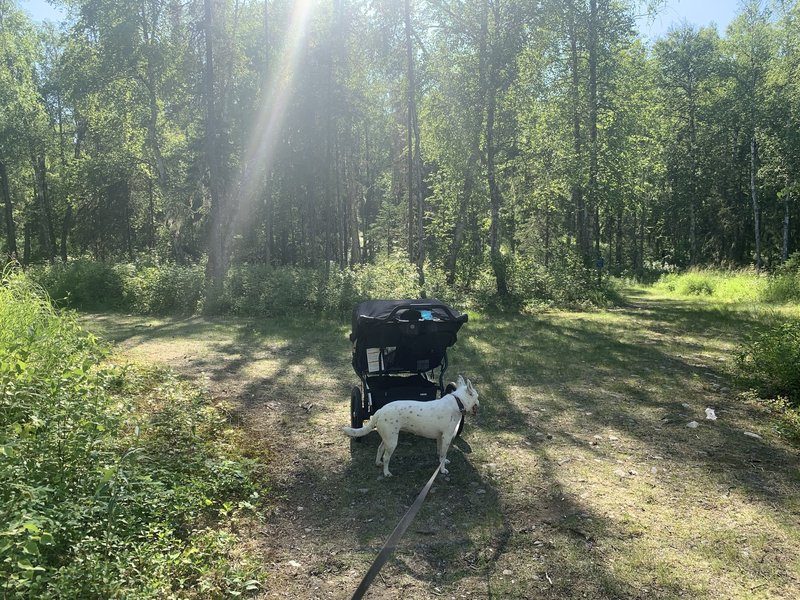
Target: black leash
391, 543
398, 532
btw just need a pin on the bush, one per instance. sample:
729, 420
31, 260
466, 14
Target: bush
770, 362
112, 480
784, 285
82, 284
145, 289
566, 283
265, 290
164, 289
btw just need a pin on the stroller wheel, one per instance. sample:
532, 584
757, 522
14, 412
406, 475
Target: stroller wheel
356, 409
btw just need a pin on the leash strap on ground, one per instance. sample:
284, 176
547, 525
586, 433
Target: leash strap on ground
398, 532
391, 543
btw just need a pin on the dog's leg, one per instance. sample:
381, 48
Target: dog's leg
389, 445
379, 456
439, 448
444, 446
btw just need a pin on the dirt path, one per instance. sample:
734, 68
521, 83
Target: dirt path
580, 478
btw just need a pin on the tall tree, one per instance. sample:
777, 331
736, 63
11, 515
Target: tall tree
688, 60
749, 39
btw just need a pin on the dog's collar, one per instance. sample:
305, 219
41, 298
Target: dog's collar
461, 408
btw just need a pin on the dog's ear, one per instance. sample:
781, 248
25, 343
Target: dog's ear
460, 381
469, 386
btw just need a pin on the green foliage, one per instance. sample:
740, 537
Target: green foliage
163, 289
83, 283
269, 291
263, 290
770, 362
784, 285
86, 284
724, 286
114, 481
566, 283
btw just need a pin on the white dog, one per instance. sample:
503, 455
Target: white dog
434, 419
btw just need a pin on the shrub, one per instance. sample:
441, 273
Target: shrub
784, 284
83, 284
566, 283
771, 362
265, 290
112, 480
163, 289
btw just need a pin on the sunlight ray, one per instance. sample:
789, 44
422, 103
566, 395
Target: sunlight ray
263, 140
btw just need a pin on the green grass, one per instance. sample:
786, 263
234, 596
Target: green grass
724, 286
579, 478
744, 286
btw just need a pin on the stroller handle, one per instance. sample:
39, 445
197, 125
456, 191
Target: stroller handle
426, 306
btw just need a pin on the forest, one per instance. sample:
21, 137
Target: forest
478, 140
196, 193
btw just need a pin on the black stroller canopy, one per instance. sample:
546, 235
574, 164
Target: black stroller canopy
373, 314
411, 335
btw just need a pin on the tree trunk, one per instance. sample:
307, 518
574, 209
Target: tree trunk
65, 227
11, 232
576, 192
693, 162
26, 244
355, 196
754, 197
217, 264
46, 213
416, 227
267, 252
474, 160
420, 196
592, 200
498, 265
547, 233
409, 128
785, 249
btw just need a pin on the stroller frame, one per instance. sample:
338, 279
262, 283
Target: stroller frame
400, 352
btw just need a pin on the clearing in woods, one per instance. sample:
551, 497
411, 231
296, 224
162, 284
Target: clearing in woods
580, 478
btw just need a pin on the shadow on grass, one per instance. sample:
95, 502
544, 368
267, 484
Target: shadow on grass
551, 383
608, 375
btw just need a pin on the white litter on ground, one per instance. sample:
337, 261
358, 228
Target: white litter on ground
693, 424
710, 414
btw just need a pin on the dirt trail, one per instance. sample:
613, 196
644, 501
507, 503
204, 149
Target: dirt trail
575, 482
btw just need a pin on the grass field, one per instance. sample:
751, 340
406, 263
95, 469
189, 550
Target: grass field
580, 478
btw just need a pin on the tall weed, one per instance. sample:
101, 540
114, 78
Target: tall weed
770, 362
82, 283
112, 479
724, 286
784, 284
265, 290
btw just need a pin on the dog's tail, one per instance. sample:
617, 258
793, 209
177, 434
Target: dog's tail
361, 432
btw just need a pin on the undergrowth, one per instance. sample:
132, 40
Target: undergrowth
770, 362
737, 286
265, 290
115, 481
724, 286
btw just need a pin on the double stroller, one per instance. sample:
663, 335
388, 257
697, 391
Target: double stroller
400, 353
